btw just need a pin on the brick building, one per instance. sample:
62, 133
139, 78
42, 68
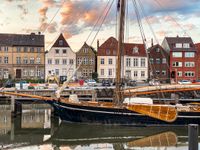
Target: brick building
183, 57
158, 63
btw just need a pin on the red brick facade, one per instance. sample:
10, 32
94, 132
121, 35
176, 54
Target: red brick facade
198, 59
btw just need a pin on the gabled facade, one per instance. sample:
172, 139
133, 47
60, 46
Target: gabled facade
198, 59
88, 57
134, 64
60, 59
22, 56
183, 56
158, 63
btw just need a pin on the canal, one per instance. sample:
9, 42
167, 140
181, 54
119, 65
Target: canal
36, 128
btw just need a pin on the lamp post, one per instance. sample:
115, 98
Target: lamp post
176, 75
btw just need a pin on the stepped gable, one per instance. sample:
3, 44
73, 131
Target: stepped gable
87, 46
22, 40
58, 42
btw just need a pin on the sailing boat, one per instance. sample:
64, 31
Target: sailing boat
119, 112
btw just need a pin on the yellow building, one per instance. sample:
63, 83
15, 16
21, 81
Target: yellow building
22, 56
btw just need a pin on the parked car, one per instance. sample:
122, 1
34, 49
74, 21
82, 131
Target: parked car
196, 82
184, 82
131, 83
9, 83
154, 82
91, 82
106, 83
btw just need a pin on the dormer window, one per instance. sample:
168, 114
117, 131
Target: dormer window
85, 50
186, 45
178, 45
135, 49
60, 42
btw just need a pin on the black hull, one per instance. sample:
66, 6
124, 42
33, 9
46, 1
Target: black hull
116, 116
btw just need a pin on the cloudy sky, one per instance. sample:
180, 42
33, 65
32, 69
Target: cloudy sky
81, 20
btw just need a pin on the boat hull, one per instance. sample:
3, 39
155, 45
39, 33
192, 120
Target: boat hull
116, 116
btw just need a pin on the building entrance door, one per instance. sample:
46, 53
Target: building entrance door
18, 73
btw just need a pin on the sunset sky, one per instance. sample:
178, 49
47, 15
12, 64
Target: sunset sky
76, 18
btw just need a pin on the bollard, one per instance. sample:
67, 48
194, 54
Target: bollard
193, 136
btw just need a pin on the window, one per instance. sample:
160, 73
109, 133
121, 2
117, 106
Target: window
64, 61
164, 72
143, 64
157, 72
31, 60
32, 49
84, 60
49, 61
25, 60
57, 51
5, 60
5, 49
85, 50
186, 45
18, 60
110, 61
135, 49
92, 61
177, 64
164, 60
189, 64
128, 74
151, 60
57, 72
142, 73
18, 49
25, 49
57, 61
38, 49
64, 51
189, 74
60, 42
135, 62
85, 72
135, 73
38, 73
189, 54
90, 72
71, 61
78, 60
64, 71
102, 72
110, 72
157, 49
178, 45
176, 54
102, 61
25, 72
107, 52
179, 73
31, 73
157, 60
128, 62
38, 60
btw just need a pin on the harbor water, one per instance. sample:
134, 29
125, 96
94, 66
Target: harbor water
35, 128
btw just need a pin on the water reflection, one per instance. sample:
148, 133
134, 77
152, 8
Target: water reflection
36, 129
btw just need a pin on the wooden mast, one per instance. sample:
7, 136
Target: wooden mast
120, 50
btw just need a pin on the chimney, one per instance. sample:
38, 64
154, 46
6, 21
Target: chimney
151, 42
97, 44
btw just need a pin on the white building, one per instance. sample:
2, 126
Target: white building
135, 65
60, 59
